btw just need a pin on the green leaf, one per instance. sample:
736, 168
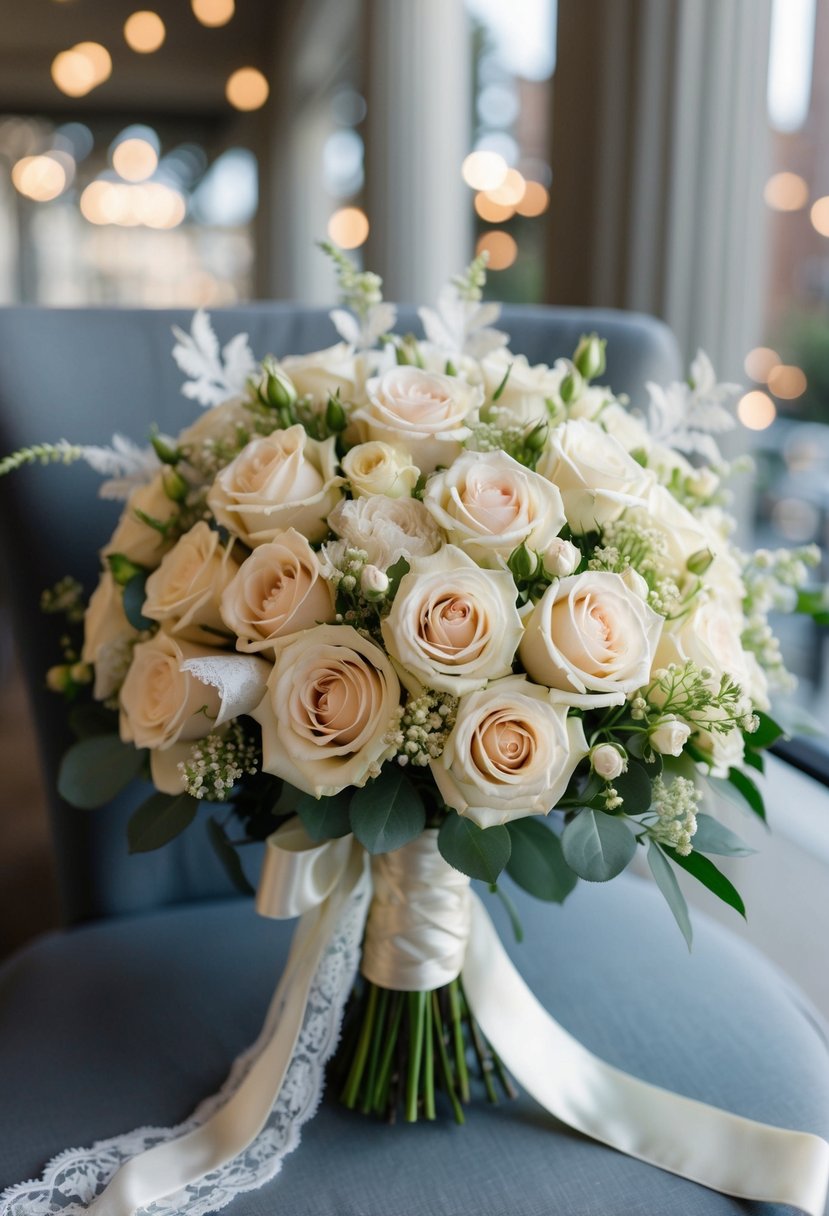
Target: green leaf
767, 732
94, 770
712, 836
479, 852
707, 873
537, 862
665, 879
388, 812
395, 573
511, 911
812, 601
754, 759
85, 721
635, 789
743, 783
228, 856
134, 596
597, 846
159, 820
325, 818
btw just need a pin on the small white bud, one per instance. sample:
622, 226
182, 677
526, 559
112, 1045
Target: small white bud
608, 761
374, 582
561, 557
669, 736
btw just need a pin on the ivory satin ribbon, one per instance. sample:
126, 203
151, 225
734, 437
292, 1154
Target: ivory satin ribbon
725, 1152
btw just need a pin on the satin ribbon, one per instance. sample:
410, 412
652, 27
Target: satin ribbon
725, 1152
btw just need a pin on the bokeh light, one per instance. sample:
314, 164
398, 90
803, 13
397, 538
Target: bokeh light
787, 381
819, 215
759, 362
81, 69
40, 178
213, 13
535, 202
756, 410
348, 227
786, 192
484, 170
511, 191
493, 213
247, 89
134, 159
501, 248
155, 205
144, 32
796, 519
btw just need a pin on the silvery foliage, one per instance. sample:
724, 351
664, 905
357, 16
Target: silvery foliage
687, 416
124, 463
214, 374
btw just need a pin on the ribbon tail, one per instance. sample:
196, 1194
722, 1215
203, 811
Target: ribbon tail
702, 1143
168, 1167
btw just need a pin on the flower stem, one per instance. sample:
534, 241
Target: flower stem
352, 1085
376, 1045
460, 1046
416, 1001
428, 1060
443, 1060
383, 1083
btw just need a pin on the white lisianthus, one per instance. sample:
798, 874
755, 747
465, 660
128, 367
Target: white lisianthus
452, 626
597, 477
490, 504
278, 590
135, 539
161, 704
107, 636
608, 761
423, 412
560, 557
510, 754
331, 705
335, 371
379, 468
523, 398
386, 528
185, 591
669, 736
593, 637
710, 636
280, 481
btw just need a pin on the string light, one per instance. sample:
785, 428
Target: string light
213, 13
511, 191
536, 200
348, 227
756, 410
144, 32
247, 89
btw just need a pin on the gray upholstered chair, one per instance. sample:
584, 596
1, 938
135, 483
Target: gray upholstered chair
134, 1011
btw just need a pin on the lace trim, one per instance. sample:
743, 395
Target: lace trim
72, 1180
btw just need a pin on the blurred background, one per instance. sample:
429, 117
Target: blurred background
670, 156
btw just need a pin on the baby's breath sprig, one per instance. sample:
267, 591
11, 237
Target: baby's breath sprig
773, 577
470, 283
627, 546
424, 725
523, 443
697, 697
675, 805
218, 762
360, 290
64, 598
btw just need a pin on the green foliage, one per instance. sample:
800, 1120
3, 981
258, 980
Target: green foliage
97, 768
597, 846
325, 818
768, 732
745, 786
707, 873
394, 574
159, 820
388, 812
228, 856
666, 881
61, 452
537, 862
712, 836
479, 852
134, 596
635, 787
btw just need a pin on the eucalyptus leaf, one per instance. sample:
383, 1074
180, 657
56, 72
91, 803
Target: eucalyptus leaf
97, 768
479, 852
159, 820
712, 836
134, 596
388, 812
325, 818
635, 788
228, 856
707, 873
768, 731
665, 879
537, 862
597, 846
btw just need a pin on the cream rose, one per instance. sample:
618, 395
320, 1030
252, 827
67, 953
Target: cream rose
523, 398
593, 637
185, 591
335, 371
284, 480
278, 590
107, 637
161, 704
597, 478
386, 528
710, 636
332, 700
511, 753
490, 504
423, 412
723, 750
135, 539
379, 468
222, 424
669, 736
452, 626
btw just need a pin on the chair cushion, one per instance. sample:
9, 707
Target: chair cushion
132, 1021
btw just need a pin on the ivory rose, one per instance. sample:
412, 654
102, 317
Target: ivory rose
386, 528
331, 704
669, 736
332, 372
107, 637
423, 412
597, 478
510, 754
135, 539
710, 636
283, 480
160, 703
490, 504
379, 468
185, 591
222, 424
279, 589
593, 637
452, 626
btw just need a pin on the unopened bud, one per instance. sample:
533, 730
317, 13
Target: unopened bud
122, 568
590, 356
561, 557
276, 388
523, 564
374, 583
571, 387
608, 761
165, 450
537, 437
336, 419
175, 487
669, 736
700, 561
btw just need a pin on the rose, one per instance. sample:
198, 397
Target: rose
185, 590
222, 425
511, 753
331, 703
623, 425
709, 636
378, 468
136, 539
278, 590
385, 528
423, 412
283, 480
161, 704
452, 626
525, 391
669, 736
333, 372
592, 636
560, 558
608, 761
490, 504
596, 476
108, 637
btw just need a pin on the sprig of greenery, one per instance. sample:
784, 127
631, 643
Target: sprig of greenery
694, 694
62, 452
360, 290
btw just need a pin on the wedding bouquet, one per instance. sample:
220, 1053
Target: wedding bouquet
426, 609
